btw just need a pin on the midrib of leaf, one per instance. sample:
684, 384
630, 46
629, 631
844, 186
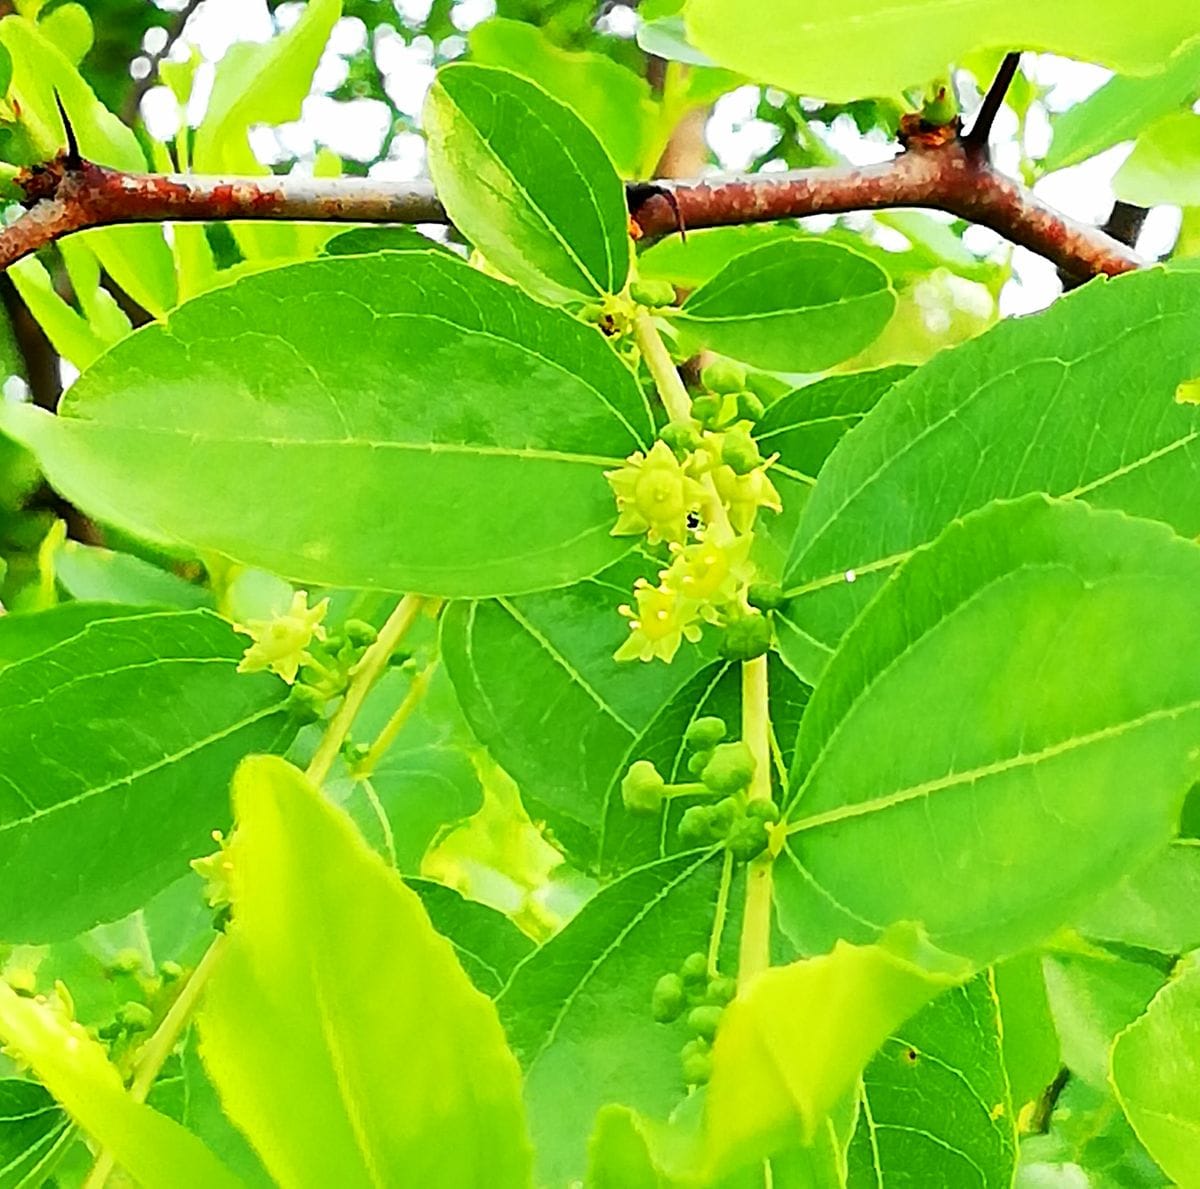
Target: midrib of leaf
583, 270
148, 770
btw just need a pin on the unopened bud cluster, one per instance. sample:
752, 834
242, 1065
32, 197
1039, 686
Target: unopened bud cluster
698, 997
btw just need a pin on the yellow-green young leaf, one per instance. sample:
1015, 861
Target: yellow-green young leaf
1164, 166
341, 1032
797, 305
154, 1150
526, 180
795, 1041
1156, 1073
860, 48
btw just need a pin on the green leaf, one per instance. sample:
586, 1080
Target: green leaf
138, 722
487, 944
155, 1151
1156, 907
796, 1039
1010, 412
577, 1011
1121, 108
477, 425
25, 634
333, 974
34, 1130
1032, 1054
615, 103
948, 1054
794, 305
90, 573
536, 680
1164, 166
1092, 997
1156, 1073
527, 182
989, 713
864, 48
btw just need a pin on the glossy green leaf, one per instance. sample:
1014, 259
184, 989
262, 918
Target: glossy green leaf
1164, 166
24, 634
33, 1132
989, 714
139, 723
948, 1054
863, 48
1032, 1053
1156, 907
481, 421
615, 103
796, 1039
1013, 411
1121, 108
154, 1150
577, 1011
527, 182
91, 573
794, 305
1156, 1072
1092, 997
340, 1030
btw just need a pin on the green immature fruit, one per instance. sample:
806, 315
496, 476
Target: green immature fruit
696, 825
694, 970
707, 409
746, 637
721, 990
642, 788
749, 406
703, 1020
705, 733
730, 770
740, 452
654, 294
766, 596
695, 1060
669, 998
724, 376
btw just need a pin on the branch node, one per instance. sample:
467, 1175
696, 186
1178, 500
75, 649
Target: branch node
977, 139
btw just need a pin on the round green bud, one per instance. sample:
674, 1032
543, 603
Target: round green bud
127, 961
707, 409
749, 406
355, 753
724, 812
746, 637
654, 294
135, 1017
724, 376
764, 386
399, 659
669, 998
721, 990
694, 970
696, 762
696, 825
110, 1031
305, 704
740, 452
703, 1020
766, 596
695, 1060
642, 788
360, 633
747, 840
681, 436
765, 811
170, 972
333, 641
705, 733
730, 770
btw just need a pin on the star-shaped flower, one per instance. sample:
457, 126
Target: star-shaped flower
654, 495
281, 644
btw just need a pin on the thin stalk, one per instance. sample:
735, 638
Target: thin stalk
362, 679
755, 952
714, 942
395, 724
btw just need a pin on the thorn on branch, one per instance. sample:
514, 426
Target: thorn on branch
977, 138
72, 159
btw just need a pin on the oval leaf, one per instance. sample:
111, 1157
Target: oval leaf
795, 305
339, 1028
116, 747
527, 182
1041, 656
396, 421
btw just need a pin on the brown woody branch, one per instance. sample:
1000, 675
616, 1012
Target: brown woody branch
942, 173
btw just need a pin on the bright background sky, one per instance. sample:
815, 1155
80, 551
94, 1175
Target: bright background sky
356, 129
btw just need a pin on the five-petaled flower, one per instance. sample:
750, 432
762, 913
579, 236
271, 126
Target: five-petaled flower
659, 624
655, 495
281, 644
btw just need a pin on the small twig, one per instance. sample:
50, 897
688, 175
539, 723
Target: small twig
977, 138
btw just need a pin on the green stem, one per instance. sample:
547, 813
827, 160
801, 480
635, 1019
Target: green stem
395, 724
714, 942
362, 679
154, 1053
754, 955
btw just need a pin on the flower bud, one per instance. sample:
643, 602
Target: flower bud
724, 376
705, 733
730, 770
703, 1020
694, 970
668, 1000
654, 294
766, 596
749, 406
642, 788
746, 637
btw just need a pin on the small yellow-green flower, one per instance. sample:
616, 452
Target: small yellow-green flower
659, 625
281, 644
654, 495
710, 574
743, 495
